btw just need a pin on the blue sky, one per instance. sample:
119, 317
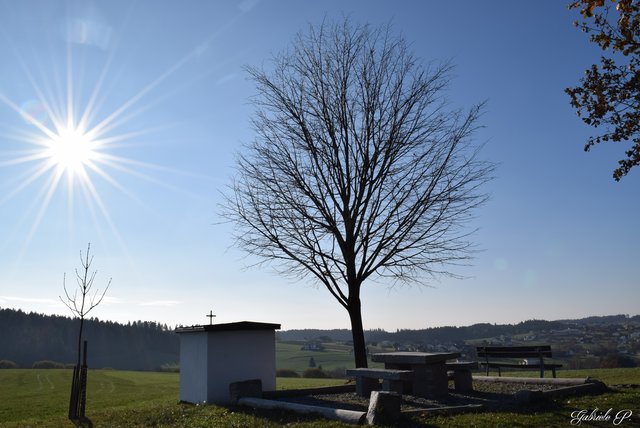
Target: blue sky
164, 83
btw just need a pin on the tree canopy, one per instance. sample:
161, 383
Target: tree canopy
608, 97
359, 170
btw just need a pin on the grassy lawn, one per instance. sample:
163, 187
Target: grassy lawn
290, 356
31, 397
334, 356
303, 383
39, 398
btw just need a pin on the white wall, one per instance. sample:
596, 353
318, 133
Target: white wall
240, 355
193, 366
210, 361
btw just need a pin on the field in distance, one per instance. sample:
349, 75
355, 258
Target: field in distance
332, 356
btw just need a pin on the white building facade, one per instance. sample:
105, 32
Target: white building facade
214, 356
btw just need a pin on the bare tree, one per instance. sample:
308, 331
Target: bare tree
83, 301
359, 170
84, 298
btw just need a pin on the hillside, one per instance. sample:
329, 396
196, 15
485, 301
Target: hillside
624, 324
593, 342
611, 341
29, 337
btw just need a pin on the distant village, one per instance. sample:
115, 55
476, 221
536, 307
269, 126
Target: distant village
593, 342
580, 347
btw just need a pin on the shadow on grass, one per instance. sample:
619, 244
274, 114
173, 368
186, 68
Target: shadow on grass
495, 407
84, 422
284, 417
281, 417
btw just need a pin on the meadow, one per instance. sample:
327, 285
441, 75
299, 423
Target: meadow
289, 355
38, 398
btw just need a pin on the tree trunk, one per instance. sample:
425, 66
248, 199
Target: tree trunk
80, 341
357, 334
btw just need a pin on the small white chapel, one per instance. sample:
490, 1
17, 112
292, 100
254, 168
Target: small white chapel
216, 355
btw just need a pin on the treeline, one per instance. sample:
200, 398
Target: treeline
434, 335
26, 338
450, 335
606, 320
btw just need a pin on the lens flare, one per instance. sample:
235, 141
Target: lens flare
33, 110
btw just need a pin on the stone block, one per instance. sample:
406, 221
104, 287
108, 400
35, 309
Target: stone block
384, 408
528, 396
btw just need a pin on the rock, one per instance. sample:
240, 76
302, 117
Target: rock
384, 408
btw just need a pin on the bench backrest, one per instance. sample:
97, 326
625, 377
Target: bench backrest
537, 351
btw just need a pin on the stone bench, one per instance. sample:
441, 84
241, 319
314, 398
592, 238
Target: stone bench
367, 379
460, 372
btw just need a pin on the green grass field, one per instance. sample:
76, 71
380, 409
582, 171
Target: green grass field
39, 398
30, 397
334, 356
289, 356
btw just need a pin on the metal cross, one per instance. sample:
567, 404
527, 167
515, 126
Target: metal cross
211, 317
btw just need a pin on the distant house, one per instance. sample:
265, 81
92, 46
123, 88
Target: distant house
312, 346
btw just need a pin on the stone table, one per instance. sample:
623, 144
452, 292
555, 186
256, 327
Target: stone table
430, 372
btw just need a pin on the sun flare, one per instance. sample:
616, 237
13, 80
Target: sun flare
74, 131
70, 150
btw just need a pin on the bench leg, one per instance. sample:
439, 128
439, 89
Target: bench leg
462, 380
396, 386
365, 385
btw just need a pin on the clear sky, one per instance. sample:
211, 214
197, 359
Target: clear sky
162, 86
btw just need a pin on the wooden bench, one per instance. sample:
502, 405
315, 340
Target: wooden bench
367, 380
460, 373
507, 356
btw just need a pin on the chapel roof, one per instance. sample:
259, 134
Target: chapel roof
232, 326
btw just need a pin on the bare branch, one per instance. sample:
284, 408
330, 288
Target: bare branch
358, 169
81, 304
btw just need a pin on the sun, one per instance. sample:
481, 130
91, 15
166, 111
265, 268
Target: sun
74, 132
70, 150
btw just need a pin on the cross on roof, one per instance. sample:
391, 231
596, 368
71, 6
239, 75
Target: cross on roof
211, 317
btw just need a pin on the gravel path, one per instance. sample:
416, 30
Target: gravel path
492, 395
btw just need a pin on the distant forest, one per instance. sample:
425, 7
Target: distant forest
29, 337
26, 338
435, 335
